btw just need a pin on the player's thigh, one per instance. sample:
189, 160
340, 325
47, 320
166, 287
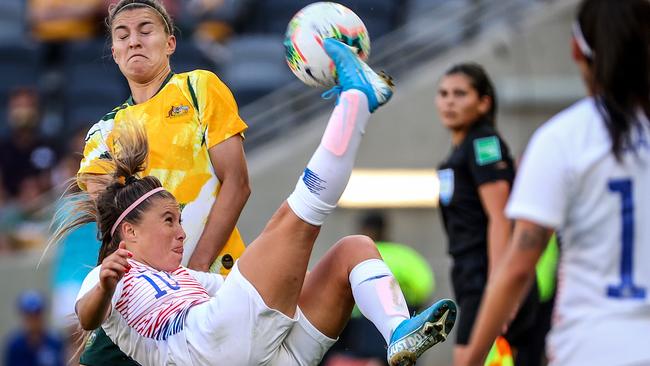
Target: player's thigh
235, 327
304, 345
276, 261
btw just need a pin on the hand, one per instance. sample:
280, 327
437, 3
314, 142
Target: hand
114, 267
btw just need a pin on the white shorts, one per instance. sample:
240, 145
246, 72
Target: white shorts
236, 328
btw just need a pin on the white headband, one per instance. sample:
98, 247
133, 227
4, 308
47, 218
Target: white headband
582, 42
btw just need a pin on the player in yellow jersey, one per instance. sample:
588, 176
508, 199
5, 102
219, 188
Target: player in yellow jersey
195, 139
187, 122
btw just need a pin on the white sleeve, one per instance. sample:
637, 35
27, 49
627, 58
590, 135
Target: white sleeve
211, 281
541, 189
89, 282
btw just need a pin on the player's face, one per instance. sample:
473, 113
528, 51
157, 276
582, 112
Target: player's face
141, 47
458, 103
159, 236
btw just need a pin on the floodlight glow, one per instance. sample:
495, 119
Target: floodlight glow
391, 188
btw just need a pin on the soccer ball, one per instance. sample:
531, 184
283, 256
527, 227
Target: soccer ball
304, 40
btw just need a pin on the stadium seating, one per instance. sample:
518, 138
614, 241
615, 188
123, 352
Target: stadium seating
380, 16
12, 20
256, 67
93, 83
188, 57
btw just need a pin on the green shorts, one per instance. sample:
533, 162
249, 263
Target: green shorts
101, 351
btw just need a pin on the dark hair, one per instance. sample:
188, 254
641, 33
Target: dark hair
122, 189
618, 32
135, 4
481, 82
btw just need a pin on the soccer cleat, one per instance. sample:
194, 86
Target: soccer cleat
352, 73
416, 335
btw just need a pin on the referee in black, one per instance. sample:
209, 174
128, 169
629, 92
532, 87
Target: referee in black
475, 182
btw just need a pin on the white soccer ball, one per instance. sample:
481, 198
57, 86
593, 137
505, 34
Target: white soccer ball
304, 40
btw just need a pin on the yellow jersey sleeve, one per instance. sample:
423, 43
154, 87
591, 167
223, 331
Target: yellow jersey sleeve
217, 107
96, 154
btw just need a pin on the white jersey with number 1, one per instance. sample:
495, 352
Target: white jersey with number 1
571, 181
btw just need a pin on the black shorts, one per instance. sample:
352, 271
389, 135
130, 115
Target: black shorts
469, 280
101, 351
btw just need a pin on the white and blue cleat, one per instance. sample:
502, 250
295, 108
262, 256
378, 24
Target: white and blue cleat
353, 73
416, 335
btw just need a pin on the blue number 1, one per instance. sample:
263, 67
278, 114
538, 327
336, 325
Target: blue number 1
626, 289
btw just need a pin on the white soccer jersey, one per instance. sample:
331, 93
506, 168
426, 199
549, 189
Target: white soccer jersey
570, 180
149, 308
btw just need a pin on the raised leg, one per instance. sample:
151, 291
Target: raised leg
276, 262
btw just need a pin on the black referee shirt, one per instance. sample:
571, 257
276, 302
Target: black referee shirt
480, 158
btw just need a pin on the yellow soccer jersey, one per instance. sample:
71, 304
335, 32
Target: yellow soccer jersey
191, 113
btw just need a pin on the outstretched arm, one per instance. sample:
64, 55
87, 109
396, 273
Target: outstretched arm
507, 287
229, 164
94, 307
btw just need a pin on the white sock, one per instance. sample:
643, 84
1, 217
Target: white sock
378, 296
322, 183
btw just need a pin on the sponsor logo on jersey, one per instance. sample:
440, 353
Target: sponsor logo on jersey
176, 111
487, 150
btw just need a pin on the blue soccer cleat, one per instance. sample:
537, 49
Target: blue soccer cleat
352, 73
416, 335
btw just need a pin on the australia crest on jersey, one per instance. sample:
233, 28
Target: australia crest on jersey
446, 177
176, 111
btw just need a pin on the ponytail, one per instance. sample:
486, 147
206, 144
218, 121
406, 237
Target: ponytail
121, 190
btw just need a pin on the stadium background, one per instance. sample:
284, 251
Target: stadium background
524, 45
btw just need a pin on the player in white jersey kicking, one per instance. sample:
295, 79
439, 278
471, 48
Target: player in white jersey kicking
267, 311
586, 174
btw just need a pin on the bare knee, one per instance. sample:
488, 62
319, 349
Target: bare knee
343, 256
355, 249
